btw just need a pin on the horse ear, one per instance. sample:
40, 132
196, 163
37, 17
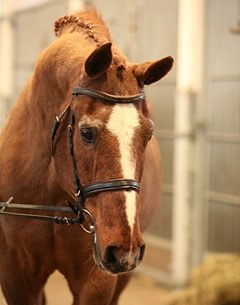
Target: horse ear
99, 60
150, 72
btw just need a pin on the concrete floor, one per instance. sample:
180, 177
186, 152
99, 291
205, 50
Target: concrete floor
141, 291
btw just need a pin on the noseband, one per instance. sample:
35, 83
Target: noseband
81, 192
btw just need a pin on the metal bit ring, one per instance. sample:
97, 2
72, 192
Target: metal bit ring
91, 228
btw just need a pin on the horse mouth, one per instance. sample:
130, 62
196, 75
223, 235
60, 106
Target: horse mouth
112, 265
114, 268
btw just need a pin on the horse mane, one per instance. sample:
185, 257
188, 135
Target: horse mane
89, 23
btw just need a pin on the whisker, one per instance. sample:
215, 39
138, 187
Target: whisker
88, 260
87, 250
92, 269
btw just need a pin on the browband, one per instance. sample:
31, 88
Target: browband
106, 97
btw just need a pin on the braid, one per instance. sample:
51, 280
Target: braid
75, 20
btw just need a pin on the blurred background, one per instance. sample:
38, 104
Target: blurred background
196, 112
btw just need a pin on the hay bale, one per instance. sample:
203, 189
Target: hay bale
188, 296
215, 282
217, 279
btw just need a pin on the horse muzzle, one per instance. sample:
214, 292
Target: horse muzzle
116, 261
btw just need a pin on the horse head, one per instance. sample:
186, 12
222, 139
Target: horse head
110, 129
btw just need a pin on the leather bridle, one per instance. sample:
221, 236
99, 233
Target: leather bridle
81, 192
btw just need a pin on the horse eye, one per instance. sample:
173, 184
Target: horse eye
150, 136
150, 133
88, 134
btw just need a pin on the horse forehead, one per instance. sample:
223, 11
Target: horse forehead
123, 123
118, 118
124, 118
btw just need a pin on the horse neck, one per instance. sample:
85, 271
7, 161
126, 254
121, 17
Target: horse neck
25, 151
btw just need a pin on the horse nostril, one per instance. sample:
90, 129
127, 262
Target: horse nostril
111, 255
113, 258
142, 250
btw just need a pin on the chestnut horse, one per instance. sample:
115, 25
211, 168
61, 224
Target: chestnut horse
94, 160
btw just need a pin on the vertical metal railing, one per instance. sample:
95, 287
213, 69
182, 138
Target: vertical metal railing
189, 120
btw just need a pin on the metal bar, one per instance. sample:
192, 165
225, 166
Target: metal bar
222, 198
224, 78
168, 134
165, 134
223, 137
188, 143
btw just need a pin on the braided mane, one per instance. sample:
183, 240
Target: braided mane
89, 23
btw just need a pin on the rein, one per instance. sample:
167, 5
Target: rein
83, 216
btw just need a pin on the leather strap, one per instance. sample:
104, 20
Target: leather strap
112, 185
4, 205
106, 97
56, 219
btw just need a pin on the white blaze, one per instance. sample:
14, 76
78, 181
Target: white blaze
122, 123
